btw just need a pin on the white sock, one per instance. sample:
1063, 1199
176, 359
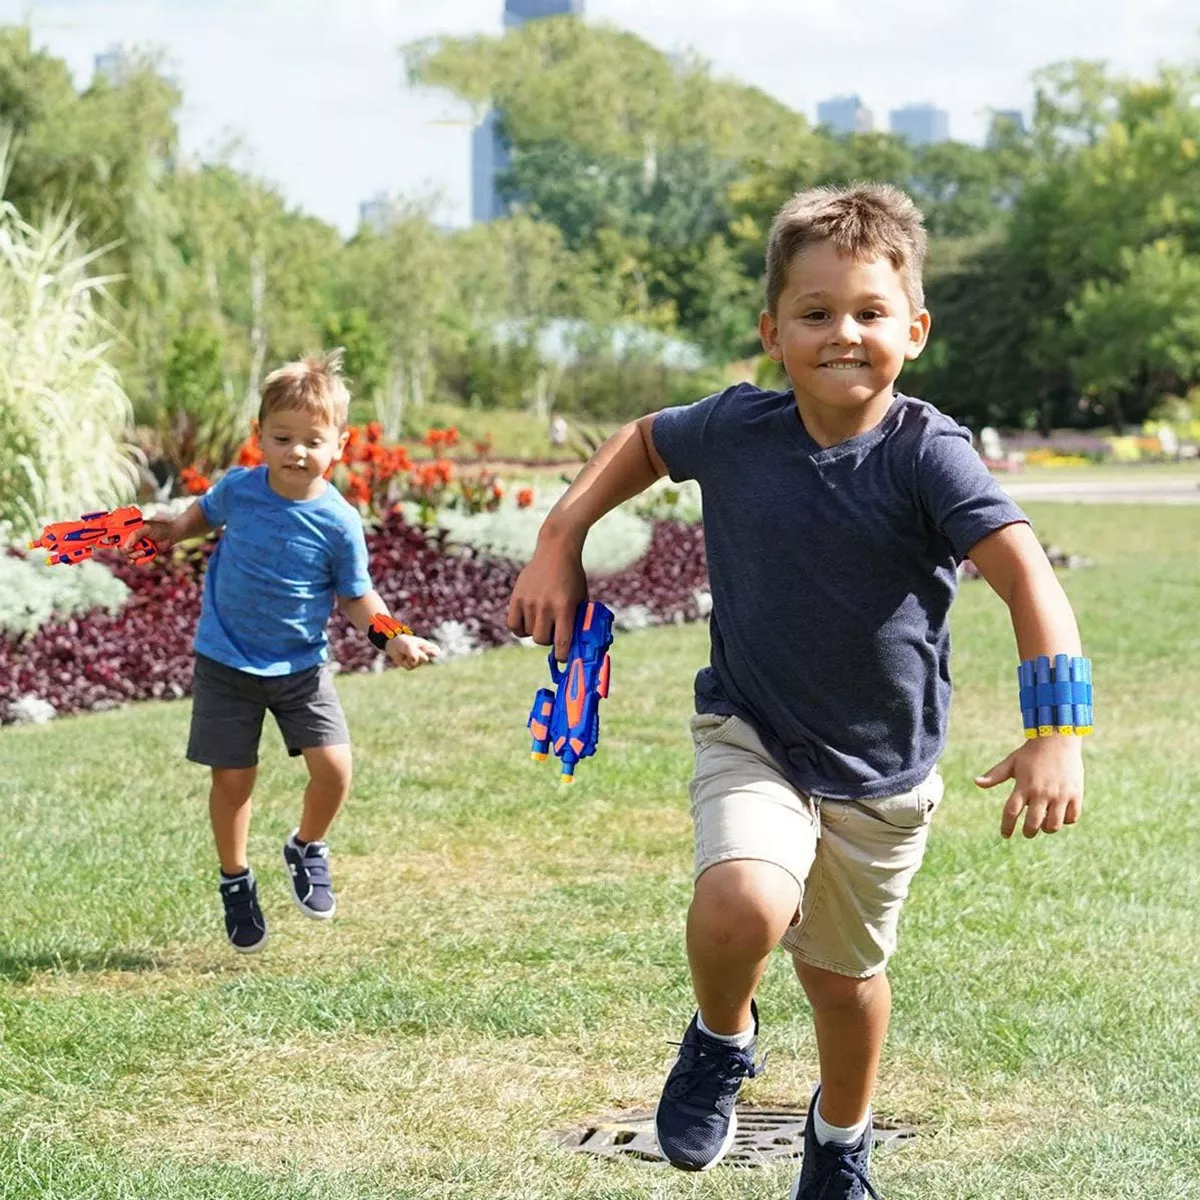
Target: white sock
843, 1135
740, 1040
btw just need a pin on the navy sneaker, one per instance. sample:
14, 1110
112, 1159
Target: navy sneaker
244, 922
695, 1122
832, 1171
312, 886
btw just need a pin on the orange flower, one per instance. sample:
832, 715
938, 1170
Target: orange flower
193, 482
374, 431
525, 498
357, 491
434, 438
249, 453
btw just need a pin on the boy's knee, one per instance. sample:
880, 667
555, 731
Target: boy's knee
744, 904
828, 989
234, 784
330, 766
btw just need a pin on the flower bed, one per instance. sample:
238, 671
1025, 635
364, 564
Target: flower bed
143, 651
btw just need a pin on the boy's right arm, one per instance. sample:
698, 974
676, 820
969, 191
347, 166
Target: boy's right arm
191, 523
552, 584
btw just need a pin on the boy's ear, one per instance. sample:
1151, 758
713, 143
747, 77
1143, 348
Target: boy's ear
918, 334
768, 333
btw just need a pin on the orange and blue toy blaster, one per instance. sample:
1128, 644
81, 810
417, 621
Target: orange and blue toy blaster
567, 720
72, 542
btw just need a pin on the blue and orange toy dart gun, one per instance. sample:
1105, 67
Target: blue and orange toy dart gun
72, 542
567, 720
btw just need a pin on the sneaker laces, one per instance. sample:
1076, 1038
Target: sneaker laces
847, 1168
726, 1067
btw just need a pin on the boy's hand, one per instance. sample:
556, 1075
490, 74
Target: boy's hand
409, 651
1048, 773
547, 595
160, 532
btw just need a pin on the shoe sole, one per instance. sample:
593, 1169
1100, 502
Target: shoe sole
708, 1166
308, 912
251, 949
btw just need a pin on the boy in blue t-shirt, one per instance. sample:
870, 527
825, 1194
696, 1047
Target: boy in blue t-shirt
291, 546
835, 514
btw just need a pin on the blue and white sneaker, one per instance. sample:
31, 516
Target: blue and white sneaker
312, 886
832, 1171
695, 1122
244, 921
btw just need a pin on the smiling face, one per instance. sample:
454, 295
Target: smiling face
842, 328
299, 448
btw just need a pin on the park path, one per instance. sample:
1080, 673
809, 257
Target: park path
1080, 491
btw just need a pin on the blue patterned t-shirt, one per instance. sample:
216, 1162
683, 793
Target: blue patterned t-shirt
270, 585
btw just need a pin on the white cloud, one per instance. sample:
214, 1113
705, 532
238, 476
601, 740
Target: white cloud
315, 91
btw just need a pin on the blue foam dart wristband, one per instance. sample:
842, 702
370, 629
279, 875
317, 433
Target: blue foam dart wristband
1055, 698
1028, 689
1045, 696
1081, 694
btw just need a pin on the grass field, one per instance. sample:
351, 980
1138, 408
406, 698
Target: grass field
508, 955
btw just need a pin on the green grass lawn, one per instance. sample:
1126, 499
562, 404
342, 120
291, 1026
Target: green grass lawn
508, 955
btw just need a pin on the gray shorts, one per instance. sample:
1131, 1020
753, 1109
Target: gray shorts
228, 708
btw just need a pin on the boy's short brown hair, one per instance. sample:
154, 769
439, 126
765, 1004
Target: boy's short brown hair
862, 221
313, 385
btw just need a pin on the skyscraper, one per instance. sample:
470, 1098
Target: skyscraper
1005, 123
489, 154
845, 114
921, 124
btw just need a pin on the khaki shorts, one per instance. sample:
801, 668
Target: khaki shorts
854, 860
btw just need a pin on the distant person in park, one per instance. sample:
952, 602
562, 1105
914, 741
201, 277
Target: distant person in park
558, 431
835, 514
291, 546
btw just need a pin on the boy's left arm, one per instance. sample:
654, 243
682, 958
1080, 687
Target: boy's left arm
405, 649
1047, 771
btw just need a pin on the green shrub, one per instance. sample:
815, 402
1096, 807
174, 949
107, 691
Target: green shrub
62, 407
32, 593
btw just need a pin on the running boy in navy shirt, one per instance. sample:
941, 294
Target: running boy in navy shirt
291, 546
835, 514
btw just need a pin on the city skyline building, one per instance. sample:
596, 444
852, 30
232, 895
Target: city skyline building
845, 114
489, 153
922, 124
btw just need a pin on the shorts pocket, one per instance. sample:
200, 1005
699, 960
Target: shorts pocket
908, 810
707, 728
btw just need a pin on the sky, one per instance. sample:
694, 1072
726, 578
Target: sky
310, 94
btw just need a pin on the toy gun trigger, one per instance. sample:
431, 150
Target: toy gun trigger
605, 671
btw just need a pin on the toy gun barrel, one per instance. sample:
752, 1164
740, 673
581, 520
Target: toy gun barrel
74, 541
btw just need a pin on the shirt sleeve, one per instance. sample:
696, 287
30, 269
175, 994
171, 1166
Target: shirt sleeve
681, 435
962, 499
351, 572
214, 504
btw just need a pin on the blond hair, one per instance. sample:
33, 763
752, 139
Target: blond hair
313, 384
863, 221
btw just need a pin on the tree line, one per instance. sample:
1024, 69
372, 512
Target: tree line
1064, 269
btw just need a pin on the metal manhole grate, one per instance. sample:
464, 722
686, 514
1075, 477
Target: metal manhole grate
764, 1135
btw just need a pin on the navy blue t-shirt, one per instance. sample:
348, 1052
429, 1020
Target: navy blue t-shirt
832, 574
